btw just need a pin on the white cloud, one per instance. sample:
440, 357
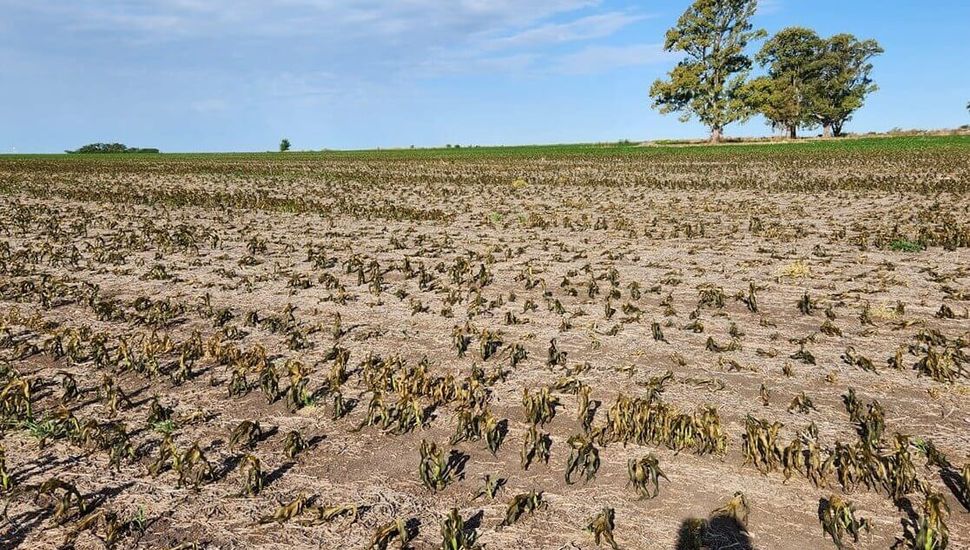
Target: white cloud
596, 59
769, 7
178, 18
585, 28
471, 64
354, 40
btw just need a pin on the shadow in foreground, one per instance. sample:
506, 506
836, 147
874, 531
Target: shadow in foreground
717, 533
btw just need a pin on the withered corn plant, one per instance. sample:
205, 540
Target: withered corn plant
765, 395
644, 474
494, 433
167, 457
245, 434
750, 299
759, 444
490, 487
536, 445
489, 343
340, 406
710, 296
838, 518
523, 503
433, 469
801, 403
326, 514
252, 477
586, 408
941, 366
806, 305
67, 499
297, 395
193, 468
736, 509
15, 398
293, 444
933, 533
106, 522
584, 457
601, 526
555, 357
472, 425
386, 533
850, 357
456, 535
7, 482
540, 407
460, 339
286, 512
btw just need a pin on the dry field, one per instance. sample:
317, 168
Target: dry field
714, 348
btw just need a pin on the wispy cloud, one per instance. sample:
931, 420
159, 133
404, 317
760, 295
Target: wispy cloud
238, 67
325, 19
584, 28
360, 39
596, 59
769, 7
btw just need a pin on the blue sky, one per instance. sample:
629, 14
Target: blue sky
238, 75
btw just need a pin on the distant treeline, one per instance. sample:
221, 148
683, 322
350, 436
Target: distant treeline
101, 148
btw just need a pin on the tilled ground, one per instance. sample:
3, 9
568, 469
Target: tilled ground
760, 283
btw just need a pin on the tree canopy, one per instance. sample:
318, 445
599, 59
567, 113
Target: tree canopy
844, 80
786, 94
808, 82
707, 83
101, 148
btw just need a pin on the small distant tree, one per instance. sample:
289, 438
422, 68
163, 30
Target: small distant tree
284, 145
708, 82
844, 80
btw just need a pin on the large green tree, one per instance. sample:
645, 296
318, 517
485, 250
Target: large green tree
708, 82
787, 93
844, 80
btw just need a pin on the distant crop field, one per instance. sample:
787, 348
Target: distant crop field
566, 346
947, 143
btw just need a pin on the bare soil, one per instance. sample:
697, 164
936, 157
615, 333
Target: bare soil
237, 235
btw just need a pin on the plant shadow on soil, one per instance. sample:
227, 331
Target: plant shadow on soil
718, 533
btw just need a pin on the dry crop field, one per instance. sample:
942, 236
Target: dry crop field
554, 347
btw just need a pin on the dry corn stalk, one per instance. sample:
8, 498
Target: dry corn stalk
455, 535
434, 470
933, 533
736, 509
601, 526
286, 512
387, 532
838, 518
524, 503
583, 456
644, 474
536, 445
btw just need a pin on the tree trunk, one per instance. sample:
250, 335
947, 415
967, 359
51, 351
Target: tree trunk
793, 132
827, 130
716, 135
